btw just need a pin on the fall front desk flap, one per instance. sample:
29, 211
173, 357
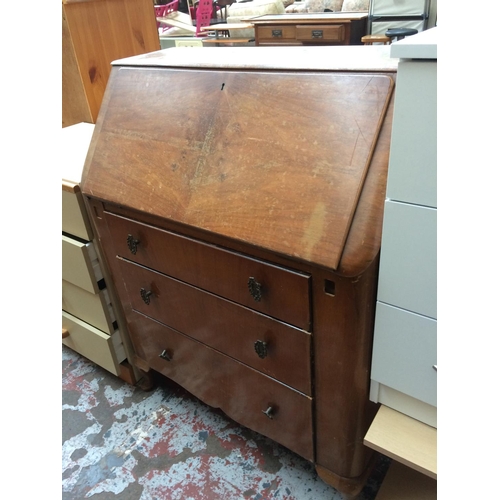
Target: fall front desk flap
273, 158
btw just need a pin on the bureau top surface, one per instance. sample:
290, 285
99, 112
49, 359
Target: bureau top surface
274, 159
373, 58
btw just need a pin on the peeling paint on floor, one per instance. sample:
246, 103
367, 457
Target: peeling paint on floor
122, 443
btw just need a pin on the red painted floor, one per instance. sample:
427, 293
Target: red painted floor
120, 442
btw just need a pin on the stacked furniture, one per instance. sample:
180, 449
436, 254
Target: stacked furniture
89, 321
244, 242
404, 369
409, 14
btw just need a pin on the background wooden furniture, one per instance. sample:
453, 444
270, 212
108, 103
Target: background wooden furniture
88, 315
94, 33
310, 29
244, 243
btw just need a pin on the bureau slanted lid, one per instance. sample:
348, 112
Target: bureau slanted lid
276, 159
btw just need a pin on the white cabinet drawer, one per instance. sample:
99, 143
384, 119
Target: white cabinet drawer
413, 156
404, 353
80, 265
408, 259
93, 308
104, 350
74, 216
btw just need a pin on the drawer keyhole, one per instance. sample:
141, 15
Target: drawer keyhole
132, 244
145, 295
269, 413
255, 289
261, 348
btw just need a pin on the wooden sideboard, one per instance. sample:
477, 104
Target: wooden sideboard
310, 29
243, 234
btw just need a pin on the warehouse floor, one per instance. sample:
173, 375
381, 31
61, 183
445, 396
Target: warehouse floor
122, 443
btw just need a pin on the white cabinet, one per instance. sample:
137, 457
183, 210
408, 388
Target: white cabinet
404, 364
89, 323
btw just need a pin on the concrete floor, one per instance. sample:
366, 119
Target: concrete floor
122, 443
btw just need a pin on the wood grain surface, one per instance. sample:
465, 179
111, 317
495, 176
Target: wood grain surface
274, 159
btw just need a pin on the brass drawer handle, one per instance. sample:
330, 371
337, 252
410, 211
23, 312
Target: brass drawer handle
260, 348
165, 355
255, 289
132, 244
277, 33
317, 33
145, 295
269, 413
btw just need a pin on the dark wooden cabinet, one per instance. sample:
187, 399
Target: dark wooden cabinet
242, 228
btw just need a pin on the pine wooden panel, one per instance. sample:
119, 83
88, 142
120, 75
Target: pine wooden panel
75, 108
102, 31
404, 439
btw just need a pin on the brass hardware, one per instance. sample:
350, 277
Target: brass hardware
132, 244
277, 33
261, 348
317, 33
165, 355
65, 333
145, 294
269, 412
255, 289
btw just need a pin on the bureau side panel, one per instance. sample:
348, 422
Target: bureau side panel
343, 336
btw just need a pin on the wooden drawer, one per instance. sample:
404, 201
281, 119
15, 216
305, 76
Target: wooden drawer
404, 353
276, 33
408, 259
223, 325
93, 308
74, 216
104, 350
80, 265
238, 390
284, 293
321, 33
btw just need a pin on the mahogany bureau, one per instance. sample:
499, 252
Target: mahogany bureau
239, 207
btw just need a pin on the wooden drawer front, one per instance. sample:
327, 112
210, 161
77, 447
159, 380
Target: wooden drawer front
285, 293
74, 216
404, 352
93, 308
241, 392
321, 33
223, 325
80, 265
276, 33
408, 259
104, 350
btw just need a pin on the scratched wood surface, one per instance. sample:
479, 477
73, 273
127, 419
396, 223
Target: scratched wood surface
274, 159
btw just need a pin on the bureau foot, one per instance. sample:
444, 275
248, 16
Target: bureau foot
146, 381
350, 487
